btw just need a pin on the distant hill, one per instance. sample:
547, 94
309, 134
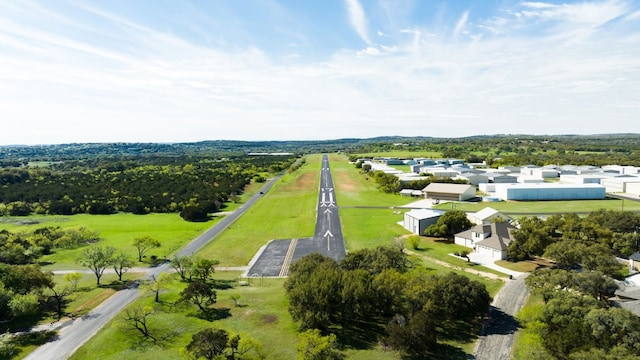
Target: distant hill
14, 154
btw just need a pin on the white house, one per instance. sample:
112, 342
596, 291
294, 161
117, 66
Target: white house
418, 220
490, 240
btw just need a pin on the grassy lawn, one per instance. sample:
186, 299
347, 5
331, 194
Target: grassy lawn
544, 207
286, 211
369, 228
117, 230
355, 189
262, 315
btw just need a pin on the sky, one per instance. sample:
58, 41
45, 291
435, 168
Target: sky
191, 70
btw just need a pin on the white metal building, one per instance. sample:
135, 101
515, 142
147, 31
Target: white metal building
619, 184
550, 191
418, 220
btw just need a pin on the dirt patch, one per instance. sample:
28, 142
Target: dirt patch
269, 318
93, 302
344, 181
305, 181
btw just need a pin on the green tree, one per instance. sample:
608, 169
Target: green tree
313, 346
57, 297
73, 278
212, 344
97, 259
24, 304
144, 244
203, 268
137, 318
200, 294
450, 223
313, 288
530, 239
377, 259
155, 284
182, 265
121, 264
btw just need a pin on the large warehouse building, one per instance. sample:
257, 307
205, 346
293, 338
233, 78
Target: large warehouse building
550, 191
451, 192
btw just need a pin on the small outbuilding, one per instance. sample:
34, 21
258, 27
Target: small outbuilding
418, 220
451, 192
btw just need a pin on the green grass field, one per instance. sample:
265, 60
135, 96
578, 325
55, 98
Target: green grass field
117, 230
286, 211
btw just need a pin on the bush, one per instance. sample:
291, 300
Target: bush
414, 242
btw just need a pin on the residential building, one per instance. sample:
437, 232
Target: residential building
490, 240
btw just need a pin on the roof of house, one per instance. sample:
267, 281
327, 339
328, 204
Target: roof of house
499, 238
633, 306
423, 213
485, 213
629, 292
448, 188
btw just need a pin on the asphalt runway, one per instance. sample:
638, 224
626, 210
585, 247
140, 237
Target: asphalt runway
275, 258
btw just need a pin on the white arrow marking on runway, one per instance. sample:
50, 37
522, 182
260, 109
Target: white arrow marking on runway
328, 235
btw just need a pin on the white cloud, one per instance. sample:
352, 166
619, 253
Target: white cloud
460, 25
591, 13
358, 19
56, 86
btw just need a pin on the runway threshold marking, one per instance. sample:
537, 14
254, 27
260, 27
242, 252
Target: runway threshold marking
284, 271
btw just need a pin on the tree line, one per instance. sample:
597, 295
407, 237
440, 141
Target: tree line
138, 186
569, 240
381, 293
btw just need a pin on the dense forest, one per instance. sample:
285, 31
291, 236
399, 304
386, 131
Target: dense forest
140, 184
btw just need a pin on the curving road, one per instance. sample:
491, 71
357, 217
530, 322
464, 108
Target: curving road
496, 340
74, 333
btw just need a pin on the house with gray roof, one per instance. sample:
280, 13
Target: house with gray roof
491, 240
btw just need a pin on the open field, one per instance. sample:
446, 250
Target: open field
117, 230
262, 315
286, 211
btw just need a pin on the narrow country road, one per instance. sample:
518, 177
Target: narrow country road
74, 333
496, 340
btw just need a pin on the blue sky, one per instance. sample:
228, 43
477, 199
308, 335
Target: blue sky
179, 70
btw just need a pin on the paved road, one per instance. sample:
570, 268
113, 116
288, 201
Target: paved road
76, 332
496, 342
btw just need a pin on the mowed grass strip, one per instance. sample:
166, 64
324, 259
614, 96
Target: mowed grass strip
355, 189
286, 211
